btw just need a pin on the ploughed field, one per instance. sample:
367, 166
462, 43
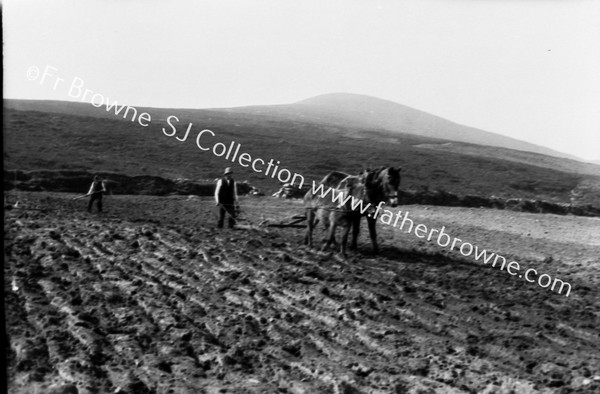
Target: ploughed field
150, 297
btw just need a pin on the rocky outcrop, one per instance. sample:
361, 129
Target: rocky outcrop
444, 198
79, 182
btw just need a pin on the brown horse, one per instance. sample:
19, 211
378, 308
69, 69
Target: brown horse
356, 196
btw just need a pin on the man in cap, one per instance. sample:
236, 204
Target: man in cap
96, 190
226, 198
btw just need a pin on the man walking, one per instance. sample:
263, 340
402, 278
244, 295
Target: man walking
96, 190
226, 198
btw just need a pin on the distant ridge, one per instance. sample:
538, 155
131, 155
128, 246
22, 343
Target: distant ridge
374, 112
311, 138
340, 109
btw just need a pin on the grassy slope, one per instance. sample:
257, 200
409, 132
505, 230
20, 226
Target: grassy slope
101, 141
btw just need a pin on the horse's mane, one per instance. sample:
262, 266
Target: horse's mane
371, 175
333, 178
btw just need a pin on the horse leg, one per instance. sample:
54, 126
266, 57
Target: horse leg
329, 238
355, 230
331, 226
345, 233
322, 217
308, 234
373, 233
334, 219
310, 225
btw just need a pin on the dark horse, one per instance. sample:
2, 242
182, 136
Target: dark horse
358, 196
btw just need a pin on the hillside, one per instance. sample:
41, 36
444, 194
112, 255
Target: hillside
375, 113
78, 136
355, 110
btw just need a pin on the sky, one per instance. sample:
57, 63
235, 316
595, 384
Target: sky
527, 69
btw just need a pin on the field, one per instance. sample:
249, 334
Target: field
150, 297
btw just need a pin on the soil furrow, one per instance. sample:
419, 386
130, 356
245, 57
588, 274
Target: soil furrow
146, 301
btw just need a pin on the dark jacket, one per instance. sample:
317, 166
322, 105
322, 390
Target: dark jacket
226, 192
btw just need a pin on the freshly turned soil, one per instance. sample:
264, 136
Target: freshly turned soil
150, 297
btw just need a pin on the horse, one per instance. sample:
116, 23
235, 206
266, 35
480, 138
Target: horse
358, 196
331, 210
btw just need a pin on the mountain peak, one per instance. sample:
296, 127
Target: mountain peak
375, 113
347, 100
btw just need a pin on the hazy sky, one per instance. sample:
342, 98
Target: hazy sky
528, 69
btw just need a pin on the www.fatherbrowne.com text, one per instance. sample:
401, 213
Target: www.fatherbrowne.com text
397, 220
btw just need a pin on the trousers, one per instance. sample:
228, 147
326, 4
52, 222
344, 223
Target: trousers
95, 197
229, 211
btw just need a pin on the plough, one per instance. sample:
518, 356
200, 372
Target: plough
291, 221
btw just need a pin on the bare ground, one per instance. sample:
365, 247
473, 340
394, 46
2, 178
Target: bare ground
150, 297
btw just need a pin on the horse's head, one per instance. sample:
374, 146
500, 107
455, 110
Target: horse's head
383, 185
